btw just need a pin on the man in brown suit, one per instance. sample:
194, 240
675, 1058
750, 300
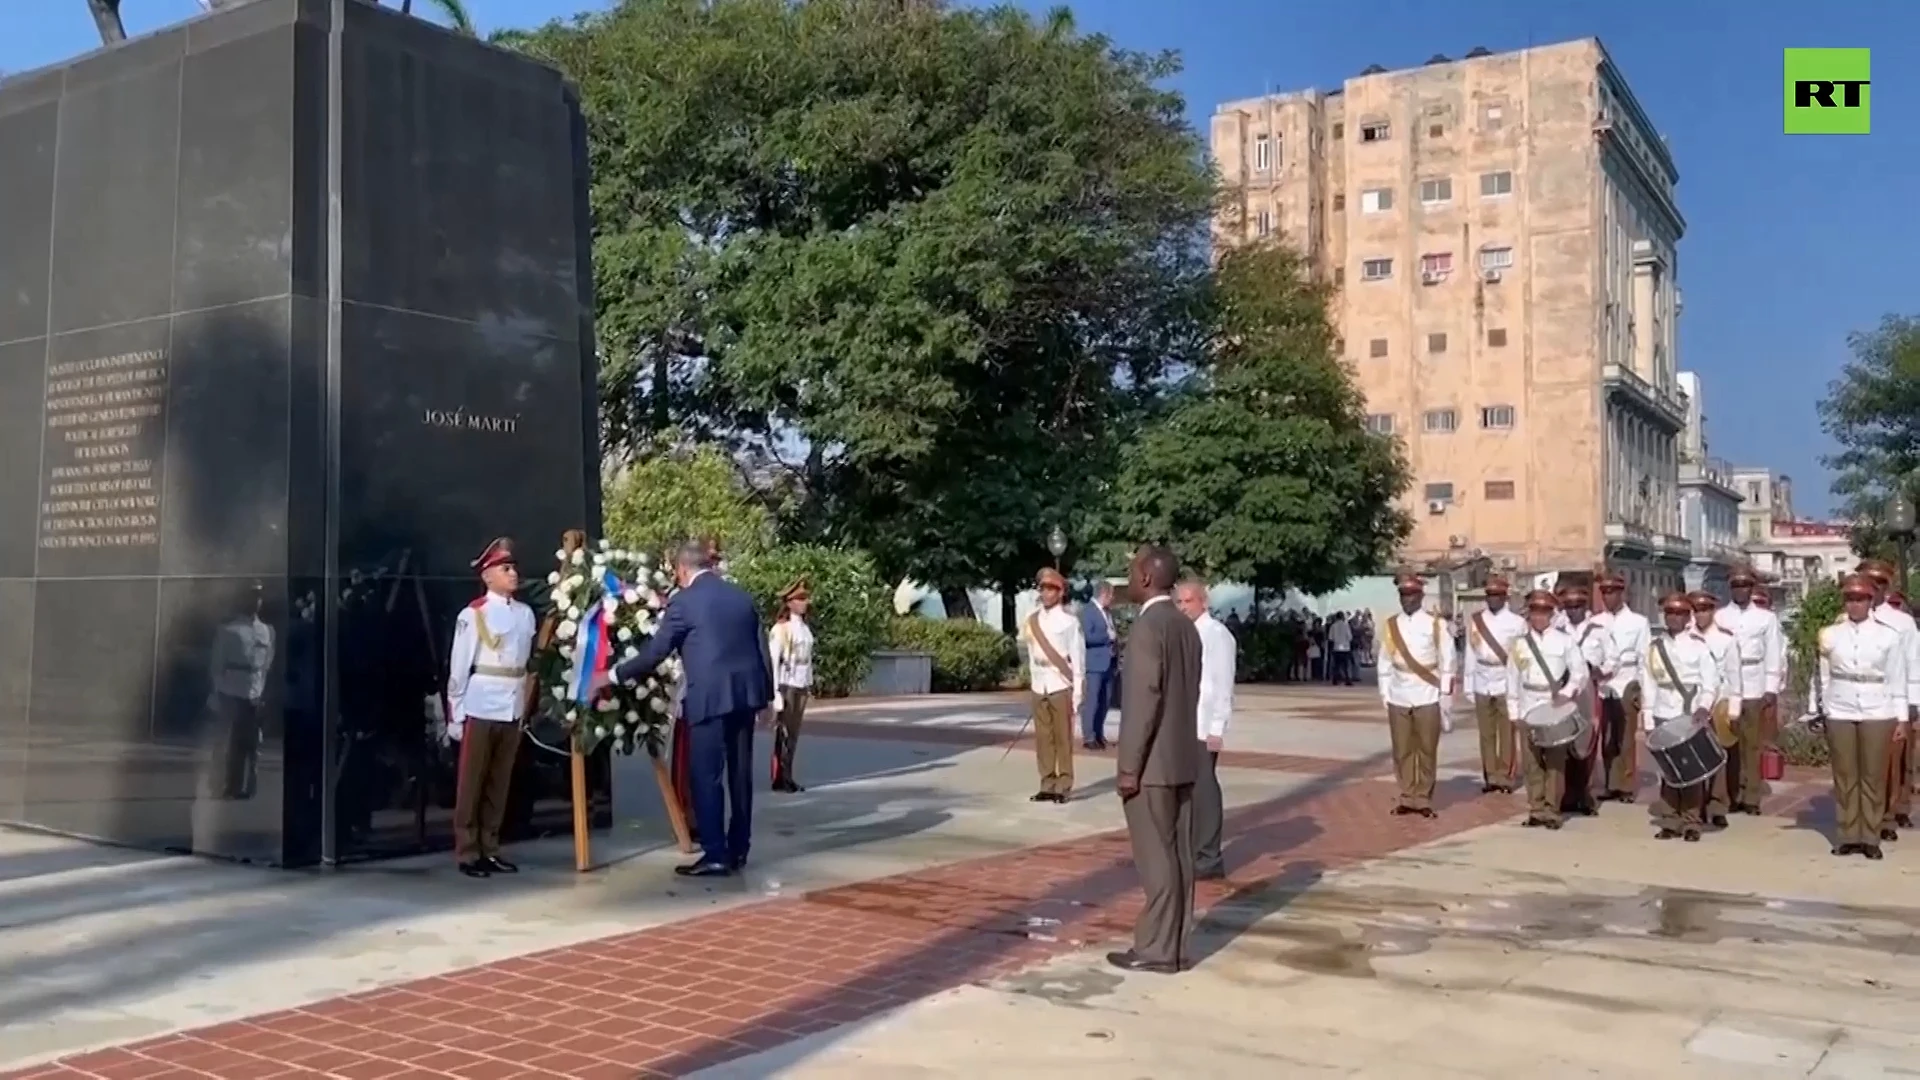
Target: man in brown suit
1159, 761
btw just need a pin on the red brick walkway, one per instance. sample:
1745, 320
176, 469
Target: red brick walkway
670, 1000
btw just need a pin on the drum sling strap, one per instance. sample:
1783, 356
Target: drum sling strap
1541, 659
1686, 692
1480, 624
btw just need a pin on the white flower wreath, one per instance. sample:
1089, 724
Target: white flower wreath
632, 715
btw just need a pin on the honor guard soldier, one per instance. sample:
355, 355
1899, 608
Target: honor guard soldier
1761, 646
1860, 695
1057, 672
1900, 764
486, 702
790, 645
1706, 610
1489, 633
1596, 645
1684, 676
1544, 668
1417, 672
1620, 705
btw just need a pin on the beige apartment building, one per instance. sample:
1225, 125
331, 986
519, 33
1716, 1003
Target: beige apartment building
1501, 229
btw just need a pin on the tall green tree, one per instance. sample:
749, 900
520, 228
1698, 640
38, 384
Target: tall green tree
1262, 469
680, 493
934, 259
1872, 412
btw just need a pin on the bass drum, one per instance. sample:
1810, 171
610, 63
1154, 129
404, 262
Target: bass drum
1556, 724
1688, 753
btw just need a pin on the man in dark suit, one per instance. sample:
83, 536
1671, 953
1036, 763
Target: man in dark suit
714, 626
1096, 626
1159, 762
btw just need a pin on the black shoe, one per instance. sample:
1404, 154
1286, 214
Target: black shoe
1129, 961
1718, 821
1625, 797
1403, 811
1871, 852
1904, 821
1748, 809
1691, 836
477, 868
1554, 825
1845, 849
1040, 796
1533, 823
1489, 789
500, 866
1666, 834
1088, 744
1100, 744
1889, 834
737, 863
1214, 874
1427, 812
704, 868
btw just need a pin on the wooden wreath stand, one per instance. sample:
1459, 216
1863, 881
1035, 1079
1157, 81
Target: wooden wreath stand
571, 541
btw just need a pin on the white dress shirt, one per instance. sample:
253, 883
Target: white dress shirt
1219, 655
487, 675
1486, 669
790, 644
1528, 687
242, 655
1631, 633
1062, 628
1595, 643
1909, 633
1758, 641
1698, 670
1863, 671
1720, 644
1431, 646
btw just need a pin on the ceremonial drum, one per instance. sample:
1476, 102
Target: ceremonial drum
1557, 723
1687, 752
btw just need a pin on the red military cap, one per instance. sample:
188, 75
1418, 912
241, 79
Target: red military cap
1614, 582
1049, 578
1703, 600
1497, 586
1410, 584
1763, 598
1857, 587
1677, 604
1742, 577
498, 553
1877, 570
1897, 601
1541, 600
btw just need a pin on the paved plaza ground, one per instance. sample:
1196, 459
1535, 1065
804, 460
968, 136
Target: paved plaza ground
912, 915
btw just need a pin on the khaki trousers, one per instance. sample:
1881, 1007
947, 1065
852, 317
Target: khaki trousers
1745, 785
1416, 750
1053, 741
1681, 808
1619, 741
786, 731
1860, 749
1546, 779
1496, 739
1900, 777
487, 750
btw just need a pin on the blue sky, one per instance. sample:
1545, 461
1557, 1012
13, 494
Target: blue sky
1792, 243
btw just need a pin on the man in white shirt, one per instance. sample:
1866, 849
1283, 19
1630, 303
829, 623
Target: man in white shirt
486, 701
1758, 641
1861, 696
1219, 653
1340, 669
1900, 766
242, 656
1057, 671
1683, 681
1620, 694
1489, 633
1706, 611
1596, 646
1417, 671
1544, 665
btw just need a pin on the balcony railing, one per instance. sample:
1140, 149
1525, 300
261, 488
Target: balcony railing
1653, 399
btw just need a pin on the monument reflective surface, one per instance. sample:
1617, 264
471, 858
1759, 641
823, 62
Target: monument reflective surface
231, 617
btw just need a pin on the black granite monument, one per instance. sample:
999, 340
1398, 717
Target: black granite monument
295, 316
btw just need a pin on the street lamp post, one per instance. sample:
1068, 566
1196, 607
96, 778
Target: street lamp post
1057, 543
1900, 525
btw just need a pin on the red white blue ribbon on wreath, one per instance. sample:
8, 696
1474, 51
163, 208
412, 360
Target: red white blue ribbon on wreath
593, 652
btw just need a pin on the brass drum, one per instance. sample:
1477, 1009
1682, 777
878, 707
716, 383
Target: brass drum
1723, 723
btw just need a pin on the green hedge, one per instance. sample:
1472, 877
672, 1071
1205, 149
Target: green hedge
1266, 651
967, 653
1803, 747
849, 613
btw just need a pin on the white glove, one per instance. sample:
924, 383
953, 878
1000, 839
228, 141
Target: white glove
1646, 721
455, 728
779, 703
1446, 721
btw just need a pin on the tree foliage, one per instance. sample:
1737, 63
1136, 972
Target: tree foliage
933, 259
677, 494
1262, 469
1872, 412
849, 612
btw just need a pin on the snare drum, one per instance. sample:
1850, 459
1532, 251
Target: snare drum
1686, 751
1555, 724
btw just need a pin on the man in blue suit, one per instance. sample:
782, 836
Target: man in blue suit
714, 626
1096, 625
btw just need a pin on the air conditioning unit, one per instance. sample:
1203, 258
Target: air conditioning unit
1509, 563
1491, 277
1436, 506
1432, 277
1456, 541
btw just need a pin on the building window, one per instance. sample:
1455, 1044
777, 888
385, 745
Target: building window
1376, 201
1263, 223
1755, 530
1436, 191
1440, 421
1339, 130
1340, 201
1753, 491
1497, 491
1492, 117
1496, 258
1496, 417
1442, 492
1496, 339
1339, 275
1377, 347
1495, 185
1262, 153
1435, 266
1435, 131
1375, 132
1436, 343
1380, 423
1376, 269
